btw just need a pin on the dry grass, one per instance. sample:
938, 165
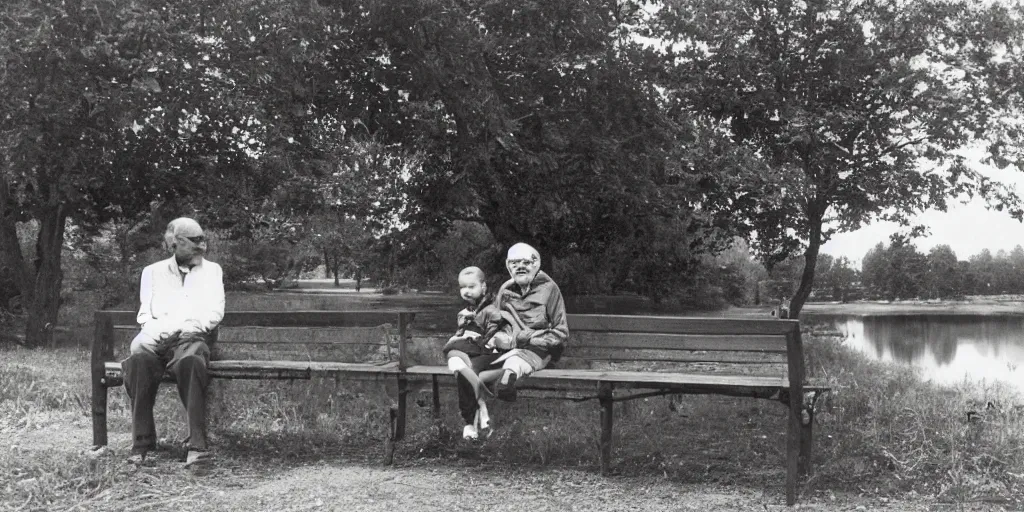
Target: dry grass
883, 432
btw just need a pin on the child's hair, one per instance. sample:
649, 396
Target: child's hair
474, 271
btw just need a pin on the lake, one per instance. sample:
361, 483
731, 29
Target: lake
947, 348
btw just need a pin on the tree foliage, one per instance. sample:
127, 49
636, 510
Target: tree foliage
900, 271
856, 108
630, 142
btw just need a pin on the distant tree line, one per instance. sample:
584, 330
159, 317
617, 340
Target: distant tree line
899, 270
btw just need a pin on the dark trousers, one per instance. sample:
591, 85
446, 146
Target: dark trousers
467, 395
186, 363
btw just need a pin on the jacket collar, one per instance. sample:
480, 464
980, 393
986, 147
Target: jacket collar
539, 280
172, 265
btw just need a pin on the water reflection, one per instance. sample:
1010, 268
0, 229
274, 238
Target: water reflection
948, 348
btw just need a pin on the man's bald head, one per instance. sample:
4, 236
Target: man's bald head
184, 237
182, 226
522, 251
523, 263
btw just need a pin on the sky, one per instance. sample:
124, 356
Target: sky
966, 228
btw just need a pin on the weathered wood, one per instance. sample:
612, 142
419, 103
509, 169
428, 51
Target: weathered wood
796, 380
119, 317
389, 443
671, 342
628, 355
277, 369
286, 318
680, 325
403, 393
620, 355
806, 438
605, 393
435, 408
620, 377
102, 351
623, 377
403, 336
660, 378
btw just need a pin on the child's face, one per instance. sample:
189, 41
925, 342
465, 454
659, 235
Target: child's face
470, 288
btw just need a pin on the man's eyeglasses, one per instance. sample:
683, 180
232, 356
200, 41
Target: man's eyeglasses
522, 262
196, 239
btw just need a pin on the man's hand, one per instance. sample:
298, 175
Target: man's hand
540, 340
170, 335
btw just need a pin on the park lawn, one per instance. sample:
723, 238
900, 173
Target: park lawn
883, 437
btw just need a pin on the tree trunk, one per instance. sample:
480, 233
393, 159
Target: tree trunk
10, 246
43, 304
796, 304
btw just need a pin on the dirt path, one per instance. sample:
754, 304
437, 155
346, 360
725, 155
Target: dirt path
238, 483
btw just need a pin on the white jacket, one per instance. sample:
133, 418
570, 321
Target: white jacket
173, 301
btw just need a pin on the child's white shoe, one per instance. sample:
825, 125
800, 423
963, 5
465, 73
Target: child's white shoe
469, 433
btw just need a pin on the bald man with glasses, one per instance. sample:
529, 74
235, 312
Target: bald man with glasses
181, 303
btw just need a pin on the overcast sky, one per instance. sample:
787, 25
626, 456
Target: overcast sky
966, 228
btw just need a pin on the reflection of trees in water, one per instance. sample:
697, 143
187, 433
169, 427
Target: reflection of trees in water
908, 336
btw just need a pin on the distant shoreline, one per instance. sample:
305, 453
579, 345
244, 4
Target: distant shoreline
999, 305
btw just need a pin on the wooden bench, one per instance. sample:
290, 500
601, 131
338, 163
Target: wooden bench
300, 344
609, 358
614, 358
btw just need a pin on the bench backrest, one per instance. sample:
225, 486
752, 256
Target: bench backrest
729, 345
347, 336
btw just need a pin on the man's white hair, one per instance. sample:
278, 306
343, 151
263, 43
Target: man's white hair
176, 226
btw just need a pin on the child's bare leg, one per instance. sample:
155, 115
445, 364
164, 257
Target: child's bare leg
458, 362
483, 419
461, 355
489, 376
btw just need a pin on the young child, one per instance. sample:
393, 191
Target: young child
479, 326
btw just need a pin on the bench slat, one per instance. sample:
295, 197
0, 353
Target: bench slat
229, 367
285, 318
680, 325
626, 377
654, 379
654, 341
621, 355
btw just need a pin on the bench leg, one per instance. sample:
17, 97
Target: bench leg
389, 443
605, 397
436, 404
99, 408
793, 450
806, 436
403, 393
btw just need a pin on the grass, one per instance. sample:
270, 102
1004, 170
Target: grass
888, 431
883, 432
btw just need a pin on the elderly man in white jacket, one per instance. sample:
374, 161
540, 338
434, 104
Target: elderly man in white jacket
182, 302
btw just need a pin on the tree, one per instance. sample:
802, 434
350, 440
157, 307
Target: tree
110, 106
983, 273
836, 276
70, 75
544, 122
1015, 279
857, 108
943, 279
907, 271
875, 271
895, 272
